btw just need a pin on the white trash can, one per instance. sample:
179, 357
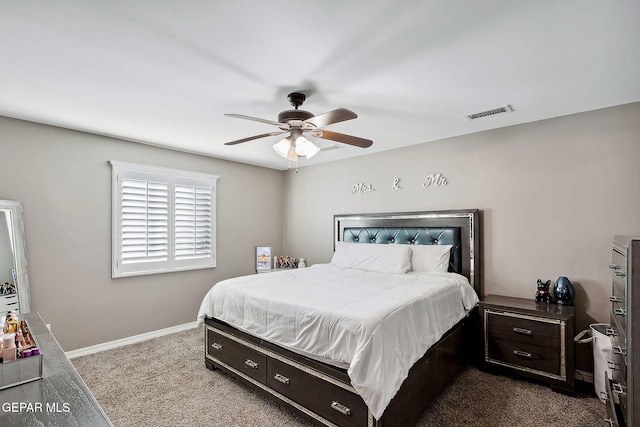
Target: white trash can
602, 354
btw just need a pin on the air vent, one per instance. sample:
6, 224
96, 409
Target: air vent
330, 147
488, 113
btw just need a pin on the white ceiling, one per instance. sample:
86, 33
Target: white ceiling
164, 72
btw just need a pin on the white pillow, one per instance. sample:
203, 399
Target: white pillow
382, 258
430, 258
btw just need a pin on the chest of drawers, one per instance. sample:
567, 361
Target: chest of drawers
528, 338
623, 386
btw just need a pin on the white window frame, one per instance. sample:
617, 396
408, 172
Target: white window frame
172, 177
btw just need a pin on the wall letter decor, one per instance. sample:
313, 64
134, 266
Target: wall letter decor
396, 185
435, 179
361, 187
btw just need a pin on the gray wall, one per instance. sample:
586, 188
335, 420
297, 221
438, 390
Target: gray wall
64, 182
553, 193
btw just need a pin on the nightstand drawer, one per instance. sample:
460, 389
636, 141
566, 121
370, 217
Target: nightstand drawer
529, 338
528, 330
524, 355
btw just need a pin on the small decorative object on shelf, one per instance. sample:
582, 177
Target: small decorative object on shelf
543, 294
287, 262
563, 291
263, 258
302, 263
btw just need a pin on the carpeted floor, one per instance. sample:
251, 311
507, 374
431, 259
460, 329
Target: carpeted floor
163, 382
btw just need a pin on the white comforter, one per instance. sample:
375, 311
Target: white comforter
377, 324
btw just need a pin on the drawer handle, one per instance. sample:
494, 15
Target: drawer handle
620, 312
612, 365
613, 267
340, 408
250, 363
522, 331
614, 298
619, 350
620, 273
216, 346
617, 388
523, 354
609, 422
281, 378
610, 332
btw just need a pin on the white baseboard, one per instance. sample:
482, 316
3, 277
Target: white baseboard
585, 376
130, 340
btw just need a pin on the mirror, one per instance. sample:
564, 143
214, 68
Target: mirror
14, 282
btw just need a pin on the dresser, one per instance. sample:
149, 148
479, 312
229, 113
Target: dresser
529, 338
623, 388
59, 398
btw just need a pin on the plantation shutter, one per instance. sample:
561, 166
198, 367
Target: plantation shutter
145, 219
163, 220
192, 221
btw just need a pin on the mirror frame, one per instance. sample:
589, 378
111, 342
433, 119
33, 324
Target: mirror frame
17, 220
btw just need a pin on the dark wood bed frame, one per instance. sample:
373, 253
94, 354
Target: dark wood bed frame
323, 393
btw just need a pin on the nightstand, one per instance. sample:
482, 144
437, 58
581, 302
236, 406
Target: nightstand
529, 338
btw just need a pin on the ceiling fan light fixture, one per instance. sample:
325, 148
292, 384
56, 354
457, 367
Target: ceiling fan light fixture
306, 148
282, 147
292, 155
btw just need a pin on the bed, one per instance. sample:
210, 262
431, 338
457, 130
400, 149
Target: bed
361, 341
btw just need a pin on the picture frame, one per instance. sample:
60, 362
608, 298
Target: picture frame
263, 258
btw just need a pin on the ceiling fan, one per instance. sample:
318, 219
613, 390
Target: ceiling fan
299, 122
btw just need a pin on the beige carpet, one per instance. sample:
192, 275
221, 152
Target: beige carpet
163, 382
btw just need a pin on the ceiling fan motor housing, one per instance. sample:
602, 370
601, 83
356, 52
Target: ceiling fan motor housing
289, 115
296, 99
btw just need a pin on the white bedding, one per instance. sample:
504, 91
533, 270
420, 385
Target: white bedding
377, 324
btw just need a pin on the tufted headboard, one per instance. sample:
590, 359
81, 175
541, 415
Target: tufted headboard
458, 228
410, 236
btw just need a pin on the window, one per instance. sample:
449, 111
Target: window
163, 220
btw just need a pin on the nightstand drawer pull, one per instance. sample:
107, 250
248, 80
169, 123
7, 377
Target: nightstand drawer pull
522, 331
620, 273
216, 346
610, 332
340, 408
281, 378
611, 365
613, 267
620, 312
250, 363
523, 354
614, 298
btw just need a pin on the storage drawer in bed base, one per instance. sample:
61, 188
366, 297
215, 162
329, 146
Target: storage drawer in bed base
345, 415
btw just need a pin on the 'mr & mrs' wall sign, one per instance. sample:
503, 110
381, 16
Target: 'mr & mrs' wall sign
435, 180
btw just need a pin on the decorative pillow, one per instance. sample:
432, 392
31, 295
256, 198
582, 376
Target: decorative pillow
430, 258
382, 258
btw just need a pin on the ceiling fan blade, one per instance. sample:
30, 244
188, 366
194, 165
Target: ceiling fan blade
341, 137
334, 116
249, 138
255, 119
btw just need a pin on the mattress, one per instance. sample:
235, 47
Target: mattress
376, 325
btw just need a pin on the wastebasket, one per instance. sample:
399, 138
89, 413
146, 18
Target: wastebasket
602, 354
